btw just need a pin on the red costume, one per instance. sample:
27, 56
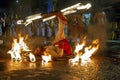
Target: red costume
60, 37
64, 44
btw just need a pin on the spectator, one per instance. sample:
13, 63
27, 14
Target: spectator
3, 26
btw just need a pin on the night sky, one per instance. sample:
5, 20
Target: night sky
5, 3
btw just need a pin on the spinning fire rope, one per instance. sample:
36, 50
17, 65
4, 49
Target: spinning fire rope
44, 17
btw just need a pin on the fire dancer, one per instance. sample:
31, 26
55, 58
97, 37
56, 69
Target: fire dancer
60, 45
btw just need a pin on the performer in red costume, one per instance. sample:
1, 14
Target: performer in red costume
60, 45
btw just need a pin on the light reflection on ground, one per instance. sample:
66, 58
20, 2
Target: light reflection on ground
100, 68
19, 65
10, 65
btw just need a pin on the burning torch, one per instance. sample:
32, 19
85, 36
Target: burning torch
46, 17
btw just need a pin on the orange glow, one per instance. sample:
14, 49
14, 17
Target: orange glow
79, 46
32, 57
46, 57
88, 52
76, 59
18, 47
77, 49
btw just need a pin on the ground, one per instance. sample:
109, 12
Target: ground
102, 67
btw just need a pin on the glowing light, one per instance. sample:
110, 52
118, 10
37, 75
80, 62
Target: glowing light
47, 65
69, 12
46, 57
15, 51
79, 47
87, 6
88, 52
33, 17
27, 23
32, 57
48, 18
20, 22
66, 11
18, 48
76, 59
71, 7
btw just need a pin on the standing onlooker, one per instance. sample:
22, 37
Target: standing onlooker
34, 28
3, 26
8, 22
0, 27
30, 33
12, 28
43, 29
48, 31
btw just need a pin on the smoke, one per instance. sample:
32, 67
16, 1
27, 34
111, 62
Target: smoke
98, 32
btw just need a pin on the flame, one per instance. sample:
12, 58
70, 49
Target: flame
87, 6
71, 7
18, 47
77, 6
15, 51
88, 52
32, 57
69, 12
27, 23
79, 46
77, 49
76, 59
33, 17
46, 57
65, 11
20, 22
48, 18
22, 44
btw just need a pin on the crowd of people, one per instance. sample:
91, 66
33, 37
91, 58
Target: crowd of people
9, 27
57, 30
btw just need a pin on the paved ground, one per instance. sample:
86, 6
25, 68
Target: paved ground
105, 67
101, 68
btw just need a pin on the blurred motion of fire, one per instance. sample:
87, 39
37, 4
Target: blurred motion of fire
46, 57
88, 52
19, 47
